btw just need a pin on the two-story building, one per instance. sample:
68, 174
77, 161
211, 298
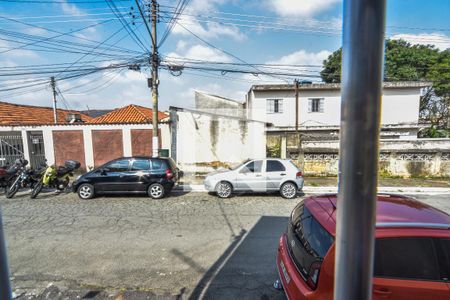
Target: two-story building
312, 112
317, 109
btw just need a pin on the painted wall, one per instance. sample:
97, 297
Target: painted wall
421, 157
394, 100
203, 140
51, 151
69, 144
108, 145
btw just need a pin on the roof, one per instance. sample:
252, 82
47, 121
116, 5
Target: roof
337, 86
94, 113
130, 114
390, 209
218, 97
19, 114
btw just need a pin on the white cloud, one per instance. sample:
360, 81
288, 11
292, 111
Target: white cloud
303, 8
15, 54
207, 29
302, 57
439, 40
200, 52
70, 9
181, 45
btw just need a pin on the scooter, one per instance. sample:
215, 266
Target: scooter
7, 174
56, 177
26, 177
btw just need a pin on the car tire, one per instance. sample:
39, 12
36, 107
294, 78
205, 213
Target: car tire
224, 189
288, 190
86, 191
156, 191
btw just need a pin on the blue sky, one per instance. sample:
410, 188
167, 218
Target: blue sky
267, 31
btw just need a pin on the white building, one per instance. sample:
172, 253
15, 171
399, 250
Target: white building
318, 110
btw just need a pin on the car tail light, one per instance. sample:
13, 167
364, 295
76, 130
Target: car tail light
314, 270
169, 174
299, 174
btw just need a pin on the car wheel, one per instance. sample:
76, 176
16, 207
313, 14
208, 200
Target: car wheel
86, 191
288, 190
224, 189
156, 191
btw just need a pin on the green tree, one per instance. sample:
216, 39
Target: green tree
404, 62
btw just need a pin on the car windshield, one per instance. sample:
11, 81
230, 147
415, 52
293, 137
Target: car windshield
238, 165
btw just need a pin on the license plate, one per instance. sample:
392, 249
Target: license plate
285, 273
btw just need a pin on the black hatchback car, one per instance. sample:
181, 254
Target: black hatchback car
153, 176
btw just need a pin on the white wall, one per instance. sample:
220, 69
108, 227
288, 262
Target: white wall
399, 106
202, 140
47, 132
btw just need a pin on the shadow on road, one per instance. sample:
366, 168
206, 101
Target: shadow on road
246, 270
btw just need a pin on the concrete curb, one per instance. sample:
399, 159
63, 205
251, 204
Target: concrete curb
330, 189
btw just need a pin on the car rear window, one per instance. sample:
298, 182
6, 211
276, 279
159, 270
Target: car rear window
158, 164
308, 241
406, 258
275, 166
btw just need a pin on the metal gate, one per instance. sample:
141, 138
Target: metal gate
11, 148
36, 147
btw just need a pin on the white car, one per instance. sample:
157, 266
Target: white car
259, 175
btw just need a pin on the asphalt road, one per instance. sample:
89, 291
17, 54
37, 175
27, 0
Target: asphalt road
188, 246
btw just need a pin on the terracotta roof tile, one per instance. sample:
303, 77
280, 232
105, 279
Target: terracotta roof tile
18, 114
130, 114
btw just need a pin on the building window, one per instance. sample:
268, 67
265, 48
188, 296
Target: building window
274, 106
315, 105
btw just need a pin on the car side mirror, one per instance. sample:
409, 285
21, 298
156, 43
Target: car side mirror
103, 171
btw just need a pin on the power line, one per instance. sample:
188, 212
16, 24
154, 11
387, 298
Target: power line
59, 32
125, 24
217, 48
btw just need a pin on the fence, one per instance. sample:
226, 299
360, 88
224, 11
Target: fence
11, 148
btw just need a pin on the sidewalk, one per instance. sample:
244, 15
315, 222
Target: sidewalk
197, 179
333, 189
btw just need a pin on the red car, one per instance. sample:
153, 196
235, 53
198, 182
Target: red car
412, 250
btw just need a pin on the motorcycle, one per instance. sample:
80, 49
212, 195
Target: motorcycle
56, 177
7, 174
26, 177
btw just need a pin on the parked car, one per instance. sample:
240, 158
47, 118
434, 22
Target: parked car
259, 175
412, 250
153, 176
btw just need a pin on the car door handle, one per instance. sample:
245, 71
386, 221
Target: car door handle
283, 174
382, 292
258, 175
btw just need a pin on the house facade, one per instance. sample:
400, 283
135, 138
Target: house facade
29, 132
317, 111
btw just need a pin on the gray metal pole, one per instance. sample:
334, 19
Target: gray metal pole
362, 69
5, 286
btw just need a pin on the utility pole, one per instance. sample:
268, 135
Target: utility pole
155, 81
5, 285
296, 105
53, 85
362, 71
